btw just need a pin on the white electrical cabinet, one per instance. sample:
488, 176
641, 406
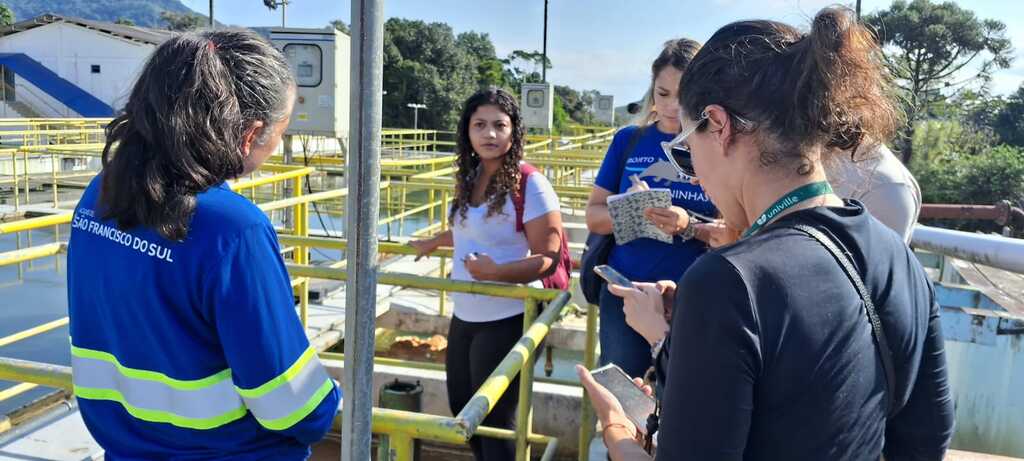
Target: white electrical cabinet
537, 105
604, 110
319, 59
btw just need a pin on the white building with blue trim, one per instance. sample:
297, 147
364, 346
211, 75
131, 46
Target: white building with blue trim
57, 66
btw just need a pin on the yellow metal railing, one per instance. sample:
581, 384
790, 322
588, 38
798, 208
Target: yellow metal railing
403, 427
566, 160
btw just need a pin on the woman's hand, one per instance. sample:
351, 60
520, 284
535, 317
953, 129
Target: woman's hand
672, 220
717, 233
607, 408
423, 247
638, 184
482, 267
644, 307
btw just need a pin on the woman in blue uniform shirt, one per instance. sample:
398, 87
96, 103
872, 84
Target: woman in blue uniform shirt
185, 340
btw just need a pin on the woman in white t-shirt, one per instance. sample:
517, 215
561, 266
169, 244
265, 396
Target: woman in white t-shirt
489, 248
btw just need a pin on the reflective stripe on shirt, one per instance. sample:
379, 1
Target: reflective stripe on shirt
204, 403
283, 401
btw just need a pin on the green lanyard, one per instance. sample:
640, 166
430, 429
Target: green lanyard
808, 191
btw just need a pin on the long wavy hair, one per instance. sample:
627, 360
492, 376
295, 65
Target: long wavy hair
506, 180
183, 127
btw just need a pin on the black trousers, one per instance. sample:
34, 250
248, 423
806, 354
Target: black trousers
474, 350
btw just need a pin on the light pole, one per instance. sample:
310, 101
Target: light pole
273, 4
416, 113
544, 55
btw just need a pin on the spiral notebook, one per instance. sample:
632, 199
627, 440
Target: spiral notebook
628, 221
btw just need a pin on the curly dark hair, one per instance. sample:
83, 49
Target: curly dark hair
506, 180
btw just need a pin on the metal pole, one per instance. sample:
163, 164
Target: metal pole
284, 6
544, 61
415, 117
367, 72
858, 10
211, 14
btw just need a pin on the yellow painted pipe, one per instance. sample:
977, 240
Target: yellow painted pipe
34, 223
16, 390
432, 283
342, 244
483, 401
37, 330
43, 374
28, 254
250, 183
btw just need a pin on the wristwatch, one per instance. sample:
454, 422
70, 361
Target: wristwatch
691, 231
656, 348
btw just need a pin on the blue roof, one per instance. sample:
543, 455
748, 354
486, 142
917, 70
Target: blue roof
49, 82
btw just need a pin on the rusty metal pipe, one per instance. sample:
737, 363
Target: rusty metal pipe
1002, 213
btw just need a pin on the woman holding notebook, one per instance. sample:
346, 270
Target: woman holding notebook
636, 160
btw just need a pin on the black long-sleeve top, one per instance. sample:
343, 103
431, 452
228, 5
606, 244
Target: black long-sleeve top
771, 355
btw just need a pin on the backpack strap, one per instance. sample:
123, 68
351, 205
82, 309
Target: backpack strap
884, 351
634, 139
519, 198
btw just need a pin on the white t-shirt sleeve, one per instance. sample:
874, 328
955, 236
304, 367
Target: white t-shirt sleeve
540, 198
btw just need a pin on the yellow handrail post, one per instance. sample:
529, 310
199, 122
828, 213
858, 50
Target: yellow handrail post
401, 447
14, 166
24, 164
442, 295
589, 361
53, 176
301, 255
524, 413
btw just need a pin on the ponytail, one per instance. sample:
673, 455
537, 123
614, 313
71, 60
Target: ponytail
805, 93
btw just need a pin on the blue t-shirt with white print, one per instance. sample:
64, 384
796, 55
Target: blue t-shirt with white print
648, 260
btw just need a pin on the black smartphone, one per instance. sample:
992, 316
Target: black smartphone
613, 276
637, 405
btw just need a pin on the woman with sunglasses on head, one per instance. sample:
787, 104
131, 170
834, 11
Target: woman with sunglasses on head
817, 334
636, 153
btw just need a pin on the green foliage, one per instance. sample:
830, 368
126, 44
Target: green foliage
578, 105
145, 13
951, 176
559, 118
124, 22
1009, 121
928, 48
426, 63
341, 26
182, 22
423, 63
6, 15
480, 50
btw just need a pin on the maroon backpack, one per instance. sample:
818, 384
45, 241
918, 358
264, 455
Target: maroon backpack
559, 280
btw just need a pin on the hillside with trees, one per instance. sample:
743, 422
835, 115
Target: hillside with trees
145, 13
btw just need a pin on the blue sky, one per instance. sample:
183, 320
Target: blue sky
606, 45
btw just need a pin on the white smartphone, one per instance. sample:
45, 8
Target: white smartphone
637, 405
613, 276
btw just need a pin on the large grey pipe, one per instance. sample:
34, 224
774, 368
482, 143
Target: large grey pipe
989, 250
363, 177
